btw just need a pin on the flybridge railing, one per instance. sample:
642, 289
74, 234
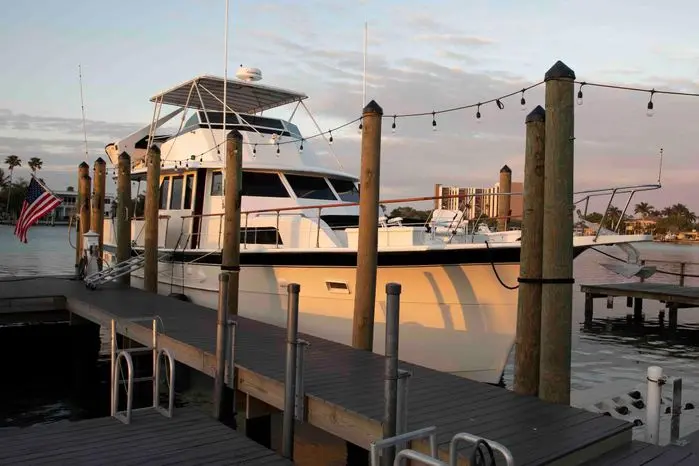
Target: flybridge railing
194, 235
611, 192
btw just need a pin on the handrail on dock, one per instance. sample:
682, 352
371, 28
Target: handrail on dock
123, 416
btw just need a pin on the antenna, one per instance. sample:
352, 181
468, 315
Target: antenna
225, 75
660, 169
82, 105
366, 32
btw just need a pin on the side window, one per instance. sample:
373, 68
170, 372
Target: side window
310, 187
346, 189
164, 191
263, 185
217, 184
176, 195
188, 187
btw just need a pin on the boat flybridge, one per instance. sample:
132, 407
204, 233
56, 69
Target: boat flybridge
299, 223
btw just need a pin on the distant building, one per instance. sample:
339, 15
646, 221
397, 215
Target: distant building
474, 201
70, 198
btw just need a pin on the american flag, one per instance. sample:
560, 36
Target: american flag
38, 202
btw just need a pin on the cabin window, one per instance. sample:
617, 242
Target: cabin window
258, 184
188, 187
346, 189
176, 195
260, 235
164, 191
217, 184
310, 187
263, 185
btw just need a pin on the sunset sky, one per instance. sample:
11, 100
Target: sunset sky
423, 56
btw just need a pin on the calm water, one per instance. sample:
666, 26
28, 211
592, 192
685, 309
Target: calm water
609, 360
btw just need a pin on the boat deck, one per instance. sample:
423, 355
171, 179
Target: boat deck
189, 437
344, 386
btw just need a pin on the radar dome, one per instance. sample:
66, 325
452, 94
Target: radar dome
245, 73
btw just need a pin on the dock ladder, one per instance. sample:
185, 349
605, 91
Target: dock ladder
118, 270
117, 374
483, 448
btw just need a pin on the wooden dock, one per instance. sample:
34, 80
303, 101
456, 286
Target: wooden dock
642, 453
344, 386
674, 296
189, 437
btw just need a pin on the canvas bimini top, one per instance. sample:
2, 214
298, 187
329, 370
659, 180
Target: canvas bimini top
206, 93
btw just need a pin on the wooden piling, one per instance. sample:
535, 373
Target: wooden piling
557, 269
150, 252
638, 309
84, 209
589, 309
233, 186
124, 213
527, 353
504, 202
97, 217
367, 256
83, 171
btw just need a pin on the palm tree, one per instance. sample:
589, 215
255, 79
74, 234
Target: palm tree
4, 179
613, 216
12, 162
644, 209
35, 164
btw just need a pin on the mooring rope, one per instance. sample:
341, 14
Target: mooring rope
492, 264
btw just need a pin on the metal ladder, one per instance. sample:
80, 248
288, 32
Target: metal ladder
124, 354
432, 459
117, 270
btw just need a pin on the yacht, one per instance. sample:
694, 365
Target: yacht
299, 223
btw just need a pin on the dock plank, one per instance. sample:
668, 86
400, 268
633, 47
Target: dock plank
344, 385
677, 294
190, 436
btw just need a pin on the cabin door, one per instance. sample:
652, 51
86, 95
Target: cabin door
198, 207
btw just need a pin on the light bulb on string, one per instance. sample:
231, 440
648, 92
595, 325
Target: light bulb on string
359, 129
580, 94
499, 104
254, 151
330, 141
523, 101
649, 108
393, 126
478, 113
301, 147
434, 123
277, 149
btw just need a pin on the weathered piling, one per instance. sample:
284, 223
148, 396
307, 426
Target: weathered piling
99, 178
557, 268
221, 344
231, 228
123, 213
390, 397
528, 339
504, 202
83, 211
150, 253
292, 326
367, 256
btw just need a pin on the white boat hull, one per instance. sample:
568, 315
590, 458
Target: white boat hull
453, 318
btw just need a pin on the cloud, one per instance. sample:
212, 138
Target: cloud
454, 39
616, 143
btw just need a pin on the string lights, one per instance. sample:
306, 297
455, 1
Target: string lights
498, 101
650, 111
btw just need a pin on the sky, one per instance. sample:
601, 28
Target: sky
422, 56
